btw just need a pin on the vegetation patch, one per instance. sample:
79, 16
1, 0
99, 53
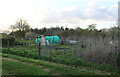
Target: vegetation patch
17, 68
63, 69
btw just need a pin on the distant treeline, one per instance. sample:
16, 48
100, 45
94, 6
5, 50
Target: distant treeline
70, 33
21, 29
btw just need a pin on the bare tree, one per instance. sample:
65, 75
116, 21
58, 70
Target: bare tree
92, 27
21, 25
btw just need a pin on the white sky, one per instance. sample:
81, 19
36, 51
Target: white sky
67, 13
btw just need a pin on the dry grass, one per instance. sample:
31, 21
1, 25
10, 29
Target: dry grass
97, 50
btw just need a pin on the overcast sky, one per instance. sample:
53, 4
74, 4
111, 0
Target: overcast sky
67, 13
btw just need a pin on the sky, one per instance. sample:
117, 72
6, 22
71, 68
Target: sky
66, 13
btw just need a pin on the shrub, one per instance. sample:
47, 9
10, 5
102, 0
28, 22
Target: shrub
32, 55
5, 41
118, 61
17, 42
108, 68
64, 59
80, 62
4, 50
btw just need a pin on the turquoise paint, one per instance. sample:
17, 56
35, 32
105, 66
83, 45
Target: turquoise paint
37, 40
51, 40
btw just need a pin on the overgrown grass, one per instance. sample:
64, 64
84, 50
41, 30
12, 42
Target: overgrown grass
67, 59
63, 69
17, 68
58, 56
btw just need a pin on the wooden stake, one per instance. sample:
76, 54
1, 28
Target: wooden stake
50, 51
39, 49
8, 44
76, 55
24, 47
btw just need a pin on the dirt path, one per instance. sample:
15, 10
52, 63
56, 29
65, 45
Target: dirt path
39, 66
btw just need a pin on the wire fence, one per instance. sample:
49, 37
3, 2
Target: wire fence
90, 50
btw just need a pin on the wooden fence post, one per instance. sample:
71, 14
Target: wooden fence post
50, 52
39, 49
8, 45
24, 47
76, 55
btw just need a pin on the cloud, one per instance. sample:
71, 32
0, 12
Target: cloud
11, 10
38, 12
78, 15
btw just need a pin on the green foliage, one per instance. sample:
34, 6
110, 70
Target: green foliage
5, 41
108, 67
21, 25
32, 55
13, 52
4, 35
64, 58
103, 67
80, 62
21, 53
118, 61
58, 68
17, 42
92, 26
19, 34
17, 68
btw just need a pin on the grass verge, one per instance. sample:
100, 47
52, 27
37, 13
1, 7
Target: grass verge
62, 69
17, 68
